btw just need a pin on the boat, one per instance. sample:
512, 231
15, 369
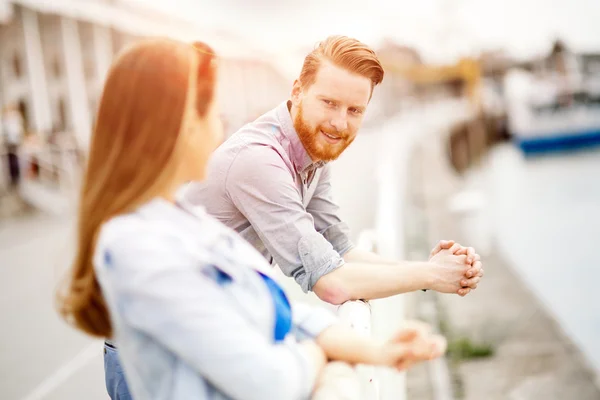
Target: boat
555, 107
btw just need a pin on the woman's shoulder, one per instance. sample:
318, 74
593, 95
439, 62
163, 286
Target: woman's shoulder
139, 235
154, 219
165, 230
129, 229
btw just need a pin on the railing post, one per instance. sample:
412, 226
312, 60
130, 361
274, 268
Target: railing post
357, 315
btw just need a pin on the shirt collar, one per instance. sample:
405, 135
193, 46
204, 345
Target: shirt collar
299, 156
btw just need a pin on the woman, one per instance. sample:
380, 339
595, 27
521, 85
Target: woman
193, 307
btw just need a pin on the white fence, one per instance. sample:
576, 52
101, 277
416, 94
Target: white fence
381, 318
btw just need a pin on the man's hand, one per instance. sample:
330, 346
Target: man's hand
448, 272
474, 274
442, 245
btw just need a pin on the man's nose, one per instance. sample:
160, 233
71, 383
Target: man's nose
339, 122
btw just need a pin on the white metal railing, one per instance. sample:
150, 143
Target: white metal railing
357, 315
374, 383
381, 318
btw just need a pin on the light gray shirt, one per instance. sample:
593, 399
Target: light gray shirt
262, 183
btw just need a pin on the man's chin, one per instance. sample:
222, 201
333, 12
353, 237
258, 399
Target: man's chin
328, 155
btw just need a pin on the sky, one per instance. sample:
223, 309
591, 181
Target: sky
442, 30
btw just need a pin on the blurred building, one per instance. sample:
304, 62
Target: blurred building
397, 91
54, 57
408, 79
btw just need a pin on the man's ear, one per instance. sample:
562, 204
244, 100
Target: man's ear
296, 93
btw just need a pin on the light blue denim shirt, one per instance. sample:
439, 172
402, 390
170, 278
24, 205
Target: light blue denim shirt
183, 331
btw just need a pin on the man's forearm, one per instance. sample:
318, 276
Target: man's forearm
357, 255
366, 281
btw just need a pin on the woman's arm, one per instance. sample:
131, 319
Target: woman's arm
409, 345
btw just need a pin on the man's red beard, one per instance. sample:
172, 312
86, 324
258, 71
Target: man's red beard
314, 142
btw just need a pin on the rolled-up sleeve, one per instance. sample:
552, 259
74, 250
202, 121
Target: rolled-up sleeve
265, 193
326, 215
161, 290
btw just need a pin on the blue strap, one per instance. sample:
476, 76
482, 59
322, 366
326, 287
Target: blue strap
283, 311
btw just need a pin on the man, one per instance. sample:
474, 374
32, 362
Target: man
271, 182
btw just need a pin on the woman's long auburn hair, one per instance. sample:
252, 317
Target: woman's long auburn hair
134, 153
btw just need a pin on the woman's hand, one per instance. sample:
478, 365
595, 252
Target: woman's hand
409, 345
412, 344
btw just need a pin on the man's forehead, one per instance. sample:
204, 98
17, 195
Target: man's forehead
342, 85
